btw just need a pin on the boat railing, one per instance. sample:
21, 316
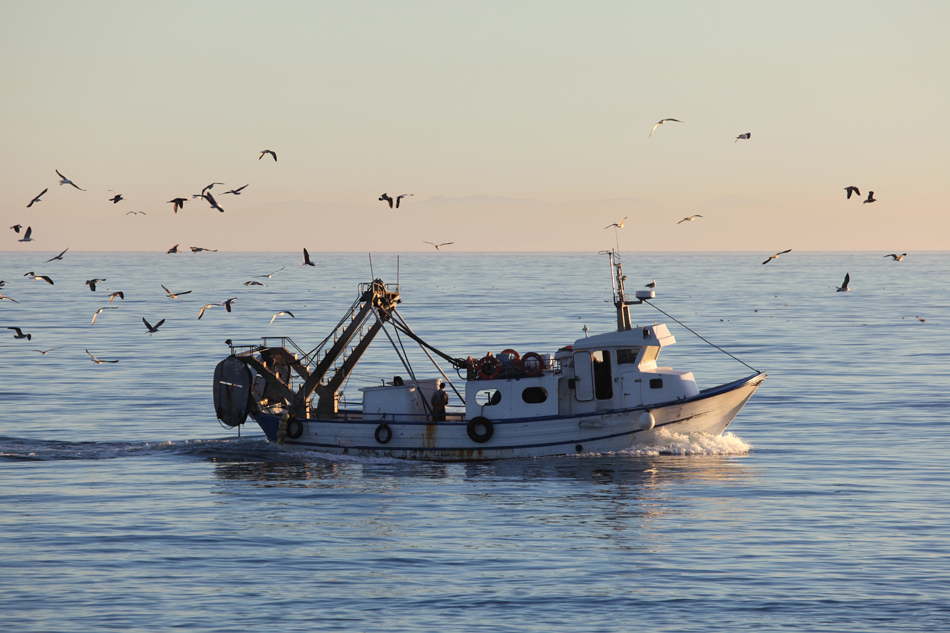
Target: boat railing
395, 418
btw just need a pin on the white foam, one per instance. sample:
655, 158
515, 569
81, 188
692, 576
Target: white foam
668, 443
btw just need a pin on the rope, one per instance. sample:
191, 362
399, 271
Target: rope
702, 339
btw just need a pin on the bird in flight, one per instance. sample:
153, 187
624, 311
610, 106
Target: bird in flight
236, 192
897, 257
745, 136
8, 299
870, 197
661, 122
438, 247
689, 219
44, 352
271, 274
227, 303
851, 190
16, 228
212, 201
208, 188
619, 225
135, 213
20, 334
306, 259
119, 294
152, 329
63, 180
651, 285
35, 277
198, 249
287, 312
36, 199
400, 197
100, 310
173, 249
28, 236
844, 286
60, 256
174, 295
210, 305
267, 151
92, 283
386, 198
97, 361
254, 283
775, 256
117, 198
178, 202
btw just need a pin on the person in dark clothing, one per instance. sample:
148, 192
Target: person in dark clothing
439, 400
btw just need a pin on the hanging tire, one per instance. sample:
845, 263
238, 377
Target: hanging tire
294, 428
480, 429
384, 433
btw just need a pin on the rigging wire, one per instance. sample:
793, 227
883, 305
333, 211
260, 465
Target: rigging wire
423, 348
404, 362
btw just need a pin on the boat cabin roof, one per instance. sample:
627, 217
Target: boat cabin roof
657, 335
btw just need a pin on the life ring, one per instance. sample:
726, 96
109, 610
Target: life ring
531, 373
480, 437
516, 355
384, 433
294, 428
489, 367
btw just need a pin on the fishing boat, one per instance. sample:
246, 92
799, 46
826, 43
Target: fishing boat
601, 393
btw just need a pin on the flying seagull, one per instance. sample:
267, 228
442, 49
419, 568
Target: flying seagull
208, 188
63, 180
287, 312
745, 136
689, 219
152, 329
661, 123
227, 303
619, 225
851, 190
897, 257
386, 198
20, 334
118, 197
651, 285
237, 191
210, 305
401, 196
870, 197
438, 247
35, 277
173, 249
44, 352
211, 201
269, 276
844, 286
306, 259
178, 202
36, 199
119, 294
254, 283
99, 362
8, 299
92, 283
100, 310
174, 295
135, 213
16, 227
267, 151
198, 249
28, 236
775, 256
60, 256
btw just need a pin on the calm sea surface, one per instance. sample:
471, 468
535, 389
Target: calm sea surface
125, 507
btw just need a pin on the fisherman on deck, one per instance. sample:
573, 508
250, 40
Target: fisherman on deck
439, 400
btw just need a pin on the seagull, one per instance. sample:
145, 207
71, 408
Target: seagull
386, 198
920, 319
586, 330
401, 196
661, 123
178, 202
211, 201
210, 305
35, 277
306, 259
99, 362
227, 303
152, 329
651, 285
438, 247
44, 352
689, 219
100, 310
745, 136
851, 190
267, 151
135, 212
287, 312
17, 227
118, 197
36, 199
20, 334
8, 299
92, 283
237, 191
174, 295
208, 188
173, 249
119, 294
269, 276
897, 257
254, 283
60, 256
619, 225
844, 286
28, 236
63, 180
775, 256
870, 197
198, 249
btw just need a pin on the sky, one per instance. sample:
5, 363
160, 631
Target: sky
518, 126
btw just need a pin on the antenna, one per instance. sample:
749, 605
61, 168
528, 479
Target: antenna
397, 273
371, 273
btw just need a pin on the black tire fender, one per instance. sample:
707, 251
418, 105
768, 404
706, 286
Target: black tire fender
294, 428
384, 433
480, 437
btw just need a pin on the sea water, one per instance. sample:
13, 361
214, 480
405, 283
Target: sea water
125, 507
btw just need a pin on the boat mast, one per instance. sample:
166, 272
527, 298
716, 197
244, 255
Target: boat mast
620, 297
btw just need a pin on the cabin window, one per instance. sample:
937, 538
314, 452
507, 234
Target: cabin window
603, 384
534, 395
488, 397
649, 355
627, 356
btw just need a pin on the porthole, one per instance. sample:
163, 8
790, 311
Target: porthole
534, 395
488, 397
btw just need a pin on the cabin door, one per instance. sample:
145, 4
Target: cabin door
631, 383
583, 377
